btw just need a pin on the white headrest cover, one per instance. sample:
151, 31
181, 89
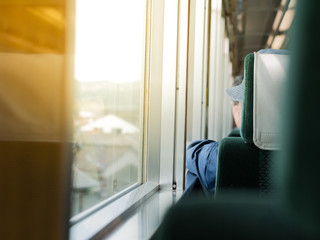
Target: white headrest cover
269, 75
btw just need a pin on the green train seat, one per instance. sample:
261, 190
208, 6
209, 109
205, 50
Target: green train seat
244, 163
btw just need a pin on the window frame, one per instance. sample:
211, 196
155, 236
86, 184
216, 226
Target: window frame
99, 217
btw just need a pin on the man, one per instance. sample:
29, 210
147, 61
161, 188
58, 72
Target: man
201, 156
235, 93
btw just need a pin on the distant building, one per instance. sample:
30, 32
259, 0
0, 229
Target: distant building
111, 124
107, 160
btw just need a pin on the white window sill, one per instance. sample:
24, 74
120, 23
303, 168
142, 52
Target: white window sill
146, 219
136, 215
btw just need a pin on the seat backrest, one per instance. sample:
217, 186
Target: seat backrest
245, 163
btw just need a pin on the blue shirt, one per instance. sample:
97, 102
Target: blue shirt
201, 162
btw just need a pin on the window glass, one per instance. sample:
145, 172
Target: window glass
108, 106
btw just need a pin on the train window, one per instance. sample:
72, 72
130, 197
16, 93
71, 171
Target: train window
108, 104
209, 73
197, 68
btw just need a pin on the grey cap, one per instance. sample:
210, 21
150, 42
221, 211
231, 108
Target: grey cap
274, 51
235, 93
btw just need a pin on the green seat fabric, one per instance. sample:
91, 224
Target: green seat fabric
238, 165
231, 216
299, 164
243, 166
247, 103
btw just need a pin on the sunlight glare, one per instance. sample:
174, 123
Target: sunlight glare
109, 45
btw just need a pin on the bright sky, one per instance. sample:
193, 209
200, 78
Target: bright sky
109, 40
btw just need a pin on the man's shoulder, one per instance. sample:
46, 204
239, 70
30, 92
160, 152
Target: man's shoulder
203, 144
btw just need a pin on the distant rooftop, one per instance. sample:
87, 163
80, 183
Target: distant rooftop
82, 180
109, 124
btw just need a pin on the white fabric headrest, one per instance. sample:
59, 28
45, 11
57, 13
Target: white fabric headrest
269, 75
